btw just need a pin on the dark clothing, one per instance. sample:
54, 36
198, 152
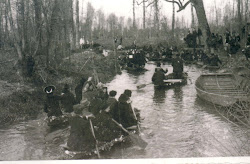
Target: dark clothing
125, 114
51, 105
214, 60
112, 103
158, 78
80, 138
67, 101
78, 92
107, 130
177, 64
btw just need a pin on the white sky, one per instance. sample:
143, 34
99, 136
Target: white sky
124, 8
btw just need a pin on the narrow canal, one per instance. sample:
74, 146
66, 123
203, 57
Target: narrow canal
175, 123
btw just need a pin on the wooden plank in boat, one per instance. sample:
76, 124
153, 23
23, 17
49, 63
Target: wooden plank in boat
173, 81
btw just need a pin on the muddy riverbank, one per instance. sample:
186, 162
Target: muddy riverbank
22, 98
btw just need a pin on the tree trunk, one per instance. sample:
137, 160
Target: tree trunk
144, 14
1, 29
173, 20
246, 11
77, 24
157, 22
15, 35
54, 30
73, 45
192, 16
202, 19
134, 14
239, 16
6, 29
216, 14
38, 20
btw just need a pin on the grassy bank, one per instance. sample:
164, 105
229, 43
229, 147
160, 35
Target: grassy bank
22, 98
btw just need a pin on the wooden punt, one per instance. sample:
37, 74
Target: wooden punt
220, 89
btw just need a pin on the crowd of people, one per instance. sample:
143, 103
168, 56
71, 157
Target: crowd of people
134, 58
103, 108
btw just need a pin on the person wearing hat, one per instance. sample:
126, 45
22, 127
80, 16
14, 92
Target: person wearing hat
99, 102
158, 64
125, 114
67, 99
177, 64
112, 104
51, 104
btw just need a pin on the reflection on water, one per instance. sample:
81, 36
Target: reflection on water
159, 95
175, 123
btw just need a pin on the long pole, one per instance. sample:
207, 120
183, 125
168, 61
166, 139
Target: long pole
93, 133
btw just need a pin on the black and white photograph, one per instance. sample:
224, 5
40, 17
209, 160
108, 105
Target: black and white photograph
129, 81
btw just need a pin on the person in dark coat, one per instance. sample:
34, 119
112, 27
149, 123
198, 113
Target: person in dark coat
214, 60
177, 64
112, 104
67, 99
80, 138
158, 77
78, 90
125, 114
51, 105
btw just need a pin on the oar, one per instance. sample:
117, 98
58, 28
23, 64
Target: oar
134, 138
142, 85
139, 130
93, 133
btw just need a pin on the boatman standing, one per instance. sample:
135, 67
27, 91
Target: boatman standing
177, 64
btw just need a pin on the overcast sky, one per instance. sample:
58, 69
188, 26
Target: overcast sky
124, 7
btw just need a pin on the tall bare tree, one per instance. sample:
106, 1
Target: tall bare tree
200, 12
239, 17
134, 14
77, 24
173, 19
156, 17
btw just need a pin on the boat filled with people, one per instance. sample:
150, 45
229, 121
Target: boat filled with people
97, 122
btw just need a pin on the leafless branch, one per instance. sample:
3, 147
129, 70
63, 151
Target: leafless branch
141, 2
150, 3
179, 3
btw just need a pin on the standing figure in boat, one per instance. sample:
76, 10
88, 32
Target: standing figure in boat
68, 99
125, 115
177, 64
51, 105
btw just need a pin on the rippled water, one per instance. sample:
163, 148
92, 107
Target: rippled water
175, 123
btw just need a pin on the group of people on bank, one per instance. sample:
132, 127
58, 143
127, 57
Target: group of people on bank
104, 109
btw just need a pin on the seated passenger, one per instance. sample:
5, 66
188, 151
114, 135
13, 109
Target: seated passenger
80, 138
158, 77
112, 104
125, 114
214, 60
68, 99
